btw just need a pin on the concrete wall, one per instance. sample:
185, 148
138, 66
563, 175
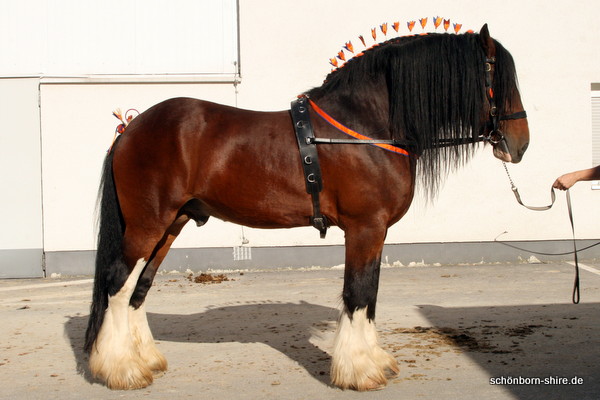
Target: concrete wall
284, 50
21, 240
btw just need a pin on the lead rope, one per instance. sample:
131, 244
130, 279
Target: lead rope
576, 293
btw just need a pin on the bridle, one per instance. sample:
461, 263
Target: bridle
495, 135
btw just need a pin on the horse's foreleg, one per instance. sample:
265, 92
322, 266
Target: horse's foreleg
358, 362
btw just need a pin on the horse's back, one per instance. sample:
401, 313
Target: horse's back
184, 121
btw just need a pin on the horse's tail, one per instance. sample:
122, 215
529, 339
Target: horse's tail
109, 263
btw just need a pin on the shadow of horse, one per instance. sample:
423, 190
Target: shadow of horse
286, 327
545, 340
516, 345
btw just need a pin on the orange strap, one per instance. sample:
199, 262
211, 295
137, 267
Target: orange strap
352, 133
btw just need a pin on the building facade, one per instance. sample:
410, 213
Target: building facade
67, 65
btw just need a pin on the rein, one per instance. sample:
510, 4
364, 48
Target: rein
576, 292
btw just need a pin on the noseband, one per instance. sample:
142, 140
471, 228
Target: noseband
495, 135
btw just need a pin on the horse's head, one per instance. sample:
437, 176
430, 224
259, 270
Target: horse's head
506, 129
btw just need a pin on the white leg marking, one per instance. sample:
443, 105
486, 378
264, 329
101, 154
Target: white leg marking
358, 362
142, 337
115, 358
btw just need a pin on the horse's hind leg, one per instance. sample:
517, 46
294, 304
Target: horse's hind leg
124, 354
358, 362
114, 357
138, 321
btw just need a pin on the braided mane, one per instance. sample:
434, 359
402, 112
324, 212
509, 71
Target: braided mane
435, 88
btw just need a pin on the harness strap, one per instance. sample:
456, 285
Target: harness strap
517, 115
390, 145
310, 161
394, 145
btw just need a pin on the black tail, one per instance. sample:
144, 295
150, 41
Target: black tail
110, 269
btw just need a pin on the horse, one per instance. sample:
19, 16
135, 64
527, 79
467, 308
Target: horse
435, 97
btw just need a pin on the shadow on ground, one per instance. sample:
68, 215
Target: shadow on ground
548, 341
528, 341
286, 327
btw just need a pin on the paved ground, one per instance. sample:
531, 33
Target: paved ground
267, 335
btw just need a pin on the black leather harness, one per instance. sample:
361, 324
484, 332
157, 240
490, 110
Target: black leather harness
307, 144
310, 160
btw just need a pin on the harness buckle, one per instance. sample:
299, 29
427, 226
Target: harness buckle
321, 224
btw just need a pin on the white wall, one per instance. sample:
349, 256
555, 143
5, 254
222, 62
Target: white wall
81, 37
78, 129
285, 47
21, 208
21, 240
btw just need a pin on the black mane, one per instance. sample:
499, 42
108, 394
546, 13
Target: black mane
436, 91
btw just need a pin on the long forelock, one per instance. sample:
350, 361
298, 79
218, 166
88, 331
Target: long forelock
505, 80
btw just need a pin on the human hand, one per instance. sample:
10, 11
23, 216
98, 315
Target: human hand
565, 181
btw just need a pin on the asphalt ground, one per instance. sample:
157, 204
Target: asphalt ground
458, 332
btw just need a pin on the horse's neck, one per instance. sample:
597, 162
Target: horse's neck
366, 111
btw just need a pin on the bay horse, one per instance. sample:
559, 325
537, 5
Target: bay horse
186, 159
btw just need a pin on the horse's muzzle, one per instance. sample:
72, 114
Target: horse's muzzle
502, 151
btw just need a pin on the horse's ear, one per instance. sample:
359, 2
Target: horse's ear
487, 42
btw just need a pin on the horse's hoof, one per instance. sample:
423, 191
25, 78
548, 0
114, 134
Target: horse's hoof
392, 370
123, 375
132, 380
157, 373
375, 381
372, 386
157, 363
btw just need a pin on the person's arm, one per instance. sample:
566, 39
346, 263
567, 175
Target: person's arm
565, 181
